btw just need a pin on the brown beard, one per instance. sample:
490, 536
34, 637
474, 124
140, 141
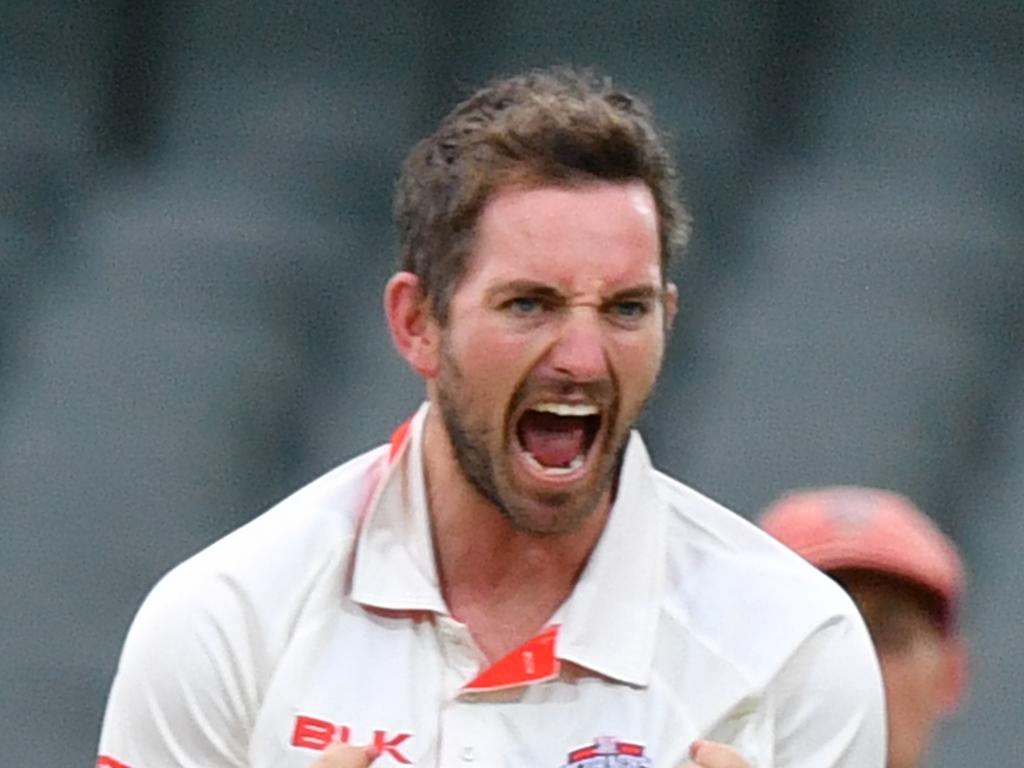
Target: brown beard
469, 445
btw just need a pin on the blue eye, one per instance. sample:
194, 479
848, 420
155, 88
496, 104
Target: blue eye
524, 305
630, 310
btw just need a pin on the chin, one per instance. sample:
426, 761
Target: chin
558, 513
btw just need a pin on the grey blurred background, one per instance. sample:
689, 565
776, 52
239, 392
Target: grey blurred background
195, 230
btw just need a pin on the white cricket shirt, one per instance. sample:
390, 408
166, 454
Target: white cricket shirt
323, 620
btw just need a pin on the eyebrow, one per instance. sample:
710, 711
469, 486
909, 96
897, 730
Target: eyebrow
519, 287
639, 293
644, 292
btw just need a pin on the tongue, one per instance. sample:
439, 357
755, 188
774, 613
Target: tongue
554, 441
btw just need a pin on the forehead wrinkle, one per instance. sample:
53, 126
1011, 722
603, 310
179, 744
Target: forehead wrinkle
589, 241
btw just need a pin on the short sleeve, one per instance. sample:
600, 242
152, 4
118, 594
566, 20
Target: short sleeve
183, 693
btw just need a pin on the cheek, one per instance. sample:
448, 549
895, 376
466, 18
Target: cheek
912, 695
637, 360
493, 361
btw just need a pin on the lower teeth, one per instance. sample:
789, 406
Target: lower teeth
573, 465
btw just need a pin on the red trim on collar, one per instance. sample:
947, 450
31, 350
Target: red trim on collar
399, 438
532, 662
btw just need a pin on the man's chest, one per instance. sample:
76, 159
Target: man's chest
410, 690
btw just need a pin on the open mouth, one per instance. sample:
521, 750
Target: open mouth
556, 438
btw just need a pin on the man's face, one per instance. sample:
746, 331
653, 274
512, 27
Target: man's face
915, 661
553, 343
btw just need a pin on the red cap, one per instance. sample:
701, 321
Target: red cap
874, 530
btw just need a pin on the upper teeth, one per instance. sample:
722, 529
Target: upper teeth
567, 409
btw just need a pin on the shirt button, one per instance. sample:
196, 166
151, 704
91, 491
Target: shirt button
468, 754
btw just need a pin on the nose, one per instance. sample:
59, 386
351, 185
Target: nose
578, 352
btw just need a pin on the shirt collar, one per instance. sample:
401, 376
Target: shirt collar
609, 622
394, 565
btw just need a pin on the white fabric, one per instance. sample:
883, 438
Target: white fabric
323, 618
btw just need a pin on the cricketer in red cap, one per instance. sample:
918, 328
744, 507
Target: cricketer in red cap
907, 579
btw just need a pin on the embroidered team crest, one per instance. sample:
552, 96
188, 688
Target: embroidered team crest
608, 752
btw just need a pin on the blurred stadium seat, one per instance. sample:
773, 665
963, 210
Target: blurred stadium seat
989, 522
858, 344
310, 84
53, 74
53, 86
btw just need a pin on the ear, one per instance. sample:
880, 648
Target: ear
956, 674
671, 305
413, 328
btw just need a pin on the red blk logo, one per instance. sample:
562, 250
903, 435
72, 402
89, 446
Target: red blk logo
316, 734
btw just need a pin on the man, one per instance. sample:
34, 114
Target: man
510, 582
907, 579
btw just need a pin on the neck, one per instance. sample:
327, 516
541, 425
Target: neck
496, 578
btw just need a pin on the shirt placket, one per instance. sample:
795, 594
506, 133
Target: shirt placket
468, 735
